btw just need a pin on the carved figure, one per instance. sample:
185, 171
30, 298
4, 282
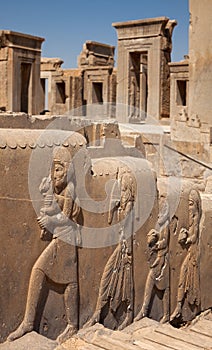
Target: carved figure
189, 286
158, 276
58, 261
134, 98
116, 284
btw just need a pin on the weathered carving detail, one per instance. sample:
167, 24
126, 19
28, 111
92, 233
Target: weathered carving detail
189, 286
58, 262
158, 276
116, 284
194, 121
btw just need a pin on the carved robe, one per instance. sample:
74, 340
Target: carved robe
59, 259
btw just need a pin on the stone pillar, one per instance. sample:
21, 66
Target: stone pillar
200, 63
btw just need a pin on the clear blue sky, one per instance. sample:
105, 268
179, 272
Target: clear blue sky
67, 24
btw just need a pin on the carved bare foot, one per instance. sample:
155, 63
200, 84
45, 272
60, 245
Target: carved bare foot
177, 313
141, 314
164, 319
93, 320
67, 334
20, 331
127, 321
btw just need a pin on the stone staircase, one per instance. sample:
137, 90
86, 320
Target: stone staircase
145, 334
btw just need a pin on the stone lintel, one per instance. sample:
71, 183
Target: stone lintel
96, 54
98, 68
141, 28
182, 66
12, 39
50, 64
92, 45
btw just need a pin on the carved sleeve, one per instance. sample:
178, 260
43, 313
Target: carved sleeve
68, 201
194, 230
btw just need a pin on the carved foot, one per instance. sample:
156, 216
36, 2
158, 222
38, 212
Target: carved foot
20, 331
67, 334
127, 321
93, 320
164, 319
176, 314
141, 314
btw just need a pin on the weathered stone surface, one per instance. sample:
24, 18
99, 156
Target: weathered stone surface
20, 59
144, 48
32, 341
200, 67
145, 334
144, 239
96, 54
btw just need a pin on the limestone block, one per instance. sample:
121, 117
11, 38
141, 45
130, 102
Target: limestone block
32, 341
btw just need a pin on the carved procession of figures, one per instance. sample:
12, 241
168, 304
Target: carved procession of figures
60, 219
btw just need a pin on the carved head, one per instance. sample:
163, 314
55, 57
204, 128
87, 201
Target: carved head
62, 169
127, 188
163, 214
194, 202
152, 238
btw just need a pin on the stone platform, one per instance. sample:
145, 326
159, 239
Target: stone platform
146, 334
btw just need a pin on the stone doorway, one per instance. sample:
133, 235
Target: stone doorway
25, 82
97, 93
138, 85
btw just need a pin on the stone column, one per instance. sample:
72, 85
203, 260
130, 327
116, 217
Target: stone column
200, 63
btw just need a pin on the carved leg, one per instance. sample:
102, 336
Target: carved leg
97, 313
71, 301
128, 319
147, 297
36, 283
181, 289
93, 320
178, 310
166, 306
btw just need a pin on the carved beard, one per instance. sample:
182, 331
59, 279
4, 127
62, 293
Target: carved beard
60, 183
125, 199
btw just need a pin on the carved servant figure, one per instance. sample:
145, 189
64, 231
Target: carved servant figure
116, 284
189, 273
158, 276
58, 262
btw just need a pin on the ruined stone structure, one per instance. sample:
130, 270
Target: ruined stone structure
179, 75
190, 88
75, 90
144, 51
106, 224
20, 72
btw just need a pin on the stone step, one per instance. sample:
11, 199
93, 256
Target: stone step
192, 339
165, 340
32, 341
203, 327
146, 344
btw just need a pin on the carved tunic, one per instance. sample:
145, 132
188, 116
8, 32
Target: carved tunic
189, 275
116, 281
59, 259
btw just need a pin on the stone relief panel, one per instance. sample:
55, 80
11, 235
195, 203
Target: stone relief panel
125, 279
158, 276
116, 286
58, 261
189, 277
